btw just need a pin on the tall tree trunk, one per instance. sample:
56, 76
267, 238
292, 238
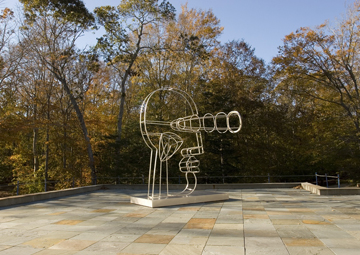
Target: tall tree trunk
47, 143
35, 141
64, 147
83, 127
121, 113
123, 82
46, 155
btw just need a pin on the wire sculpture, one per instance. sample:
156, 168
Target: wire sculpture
175, 111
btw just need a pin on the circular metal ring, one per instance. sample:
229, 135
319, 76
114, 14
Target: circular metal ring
208, 116
228, 121
217, 116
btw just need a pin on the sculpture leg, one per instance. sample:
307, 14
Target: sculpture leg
150, 167
152, 174
166, 175
167, 178
160, 172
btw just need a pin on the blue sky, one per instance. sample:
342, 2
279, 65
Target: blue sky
261, 23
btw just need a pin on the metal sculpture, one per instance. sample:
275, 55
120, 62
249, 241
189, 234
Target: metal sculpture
158, 124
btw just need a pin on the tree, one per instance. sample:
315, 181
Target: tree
10, 54
195, 41
125, 27
238, 80
321, 66
323, 63
72, 11
50, 31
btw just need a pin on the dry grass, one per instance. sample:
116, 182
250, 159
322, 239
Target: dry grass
5, 194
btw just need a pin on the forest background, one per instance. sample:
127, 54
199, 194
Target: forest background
73, 114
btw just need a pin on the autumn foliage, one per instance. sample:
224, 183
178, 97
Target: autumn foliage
71, 114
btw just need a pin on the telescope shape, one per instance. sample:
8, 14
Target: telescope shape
221, 122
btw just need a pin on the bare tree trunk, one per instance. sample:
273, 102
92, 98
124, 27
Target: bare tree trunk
121, 113
46, 154
47, 142
35, 141
83, 127
123, 82
64, 147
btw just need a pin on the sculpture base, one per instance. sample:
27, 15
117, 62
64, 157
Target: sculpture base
195, 197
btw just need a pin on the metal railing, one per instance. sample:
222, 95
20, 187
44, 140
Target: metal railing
208, 179
326, 176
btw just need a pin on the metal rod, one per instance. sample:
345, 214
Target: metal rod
327, 183
150, 167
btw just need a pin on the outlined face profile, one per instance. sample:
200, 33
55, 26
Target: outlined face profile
170, 122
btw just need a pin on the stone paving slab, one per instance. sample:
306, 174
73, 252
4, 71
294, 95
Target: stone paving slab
252, 221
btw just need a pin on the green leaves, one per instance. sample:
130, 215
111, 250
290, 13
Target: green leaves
68, 10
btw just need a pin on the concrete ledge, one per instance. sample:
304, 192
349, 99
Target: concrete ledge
7, 201
323, 191
14, 200
210, 186
181, 199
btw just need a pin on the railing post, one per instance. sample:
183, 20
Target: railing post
316, 178
45, 185
73, 183
326, 178
268, 178
143, 179
179, 180
17, 188
338, 177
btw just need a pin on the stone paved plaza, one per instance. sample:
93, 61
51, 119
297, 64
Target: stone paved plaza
253, 221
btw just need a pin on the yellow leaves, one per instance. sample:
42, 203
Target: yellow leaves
322, 25
289, 37
62, 57
15, 157
311, 35
6, 13
297, 52
203, 24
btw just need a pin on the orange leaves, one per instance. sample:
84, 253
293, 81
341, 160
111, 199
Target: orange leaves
6, 14
311, 35
203, 24
323, 25
298, 51
290, 37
